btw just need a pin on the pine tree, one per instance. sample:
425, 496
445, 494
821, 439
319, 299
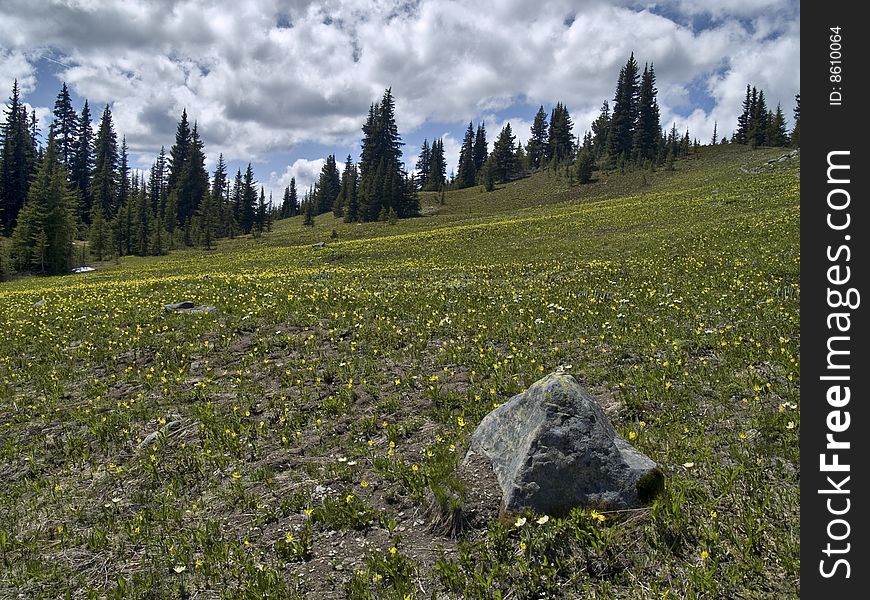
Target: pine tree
293, 198
758, 124
380, 166
583, 166
438, 167
347, 205
83, 163
741, 134
248, 201
560, 140
308, 209
105, 180
260, 214
796, 132
424, 163
191, 183
600, 131
538, 138
481, 152
648, 128
776, 134
236, 201
206, 215
219, 185
504, 162
64, 126
43, 236
157, 192
328, 186
17, 160
625, 111
715, 139
467, 175
179, 152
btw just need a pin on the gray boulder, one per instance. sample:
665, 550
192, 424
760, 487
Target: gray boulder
552, 449
183, 305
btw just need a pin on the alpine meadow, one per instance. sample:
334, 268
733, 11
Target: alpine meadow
216, 388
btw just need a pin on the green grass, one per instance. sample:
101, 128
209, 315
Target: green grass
302, 427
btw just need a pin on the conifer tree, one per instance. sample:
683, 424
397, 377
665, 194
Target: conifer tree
83, 163
625, 110
504, 160
776, 134
17, 159
236, 201
64, 126
219, 184
179, 152
467, 173
438, 167
157, 193
758, 123
424, 163
261, 213
248, 201
481, 151
583, 166
347, 197
741, 134
293, 199
381, 170
560, 139
796, 132
648, 128
328, 186
206, 217
536, 147
600, 131
43, 236
105, 180
715, 138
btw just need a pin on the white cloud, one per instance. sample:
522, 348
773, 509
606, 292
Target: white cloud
263, 76
305, 171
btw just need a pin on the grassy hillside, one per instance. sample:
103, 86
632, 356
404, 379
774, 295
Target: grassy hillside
290, 444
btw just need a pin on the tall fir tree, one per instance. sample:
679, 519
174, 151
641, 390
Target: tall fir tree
648, 129
438, 167
481, 150
466, 173
43, 236
600, 131
350, 192
741, 134
381, 170
83, 163
560, 139
758, 124
625, 110
424, 163
236, 201
504, 159
64, 126
248, 201
776, 134
536, 147
17, 159
179, 152
328, 186
105, 180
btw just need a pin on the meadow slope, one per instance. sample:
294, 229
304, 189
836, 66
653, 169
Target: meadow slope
294, 442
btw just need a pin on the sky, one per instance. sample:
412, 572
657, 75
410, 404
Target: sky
284, 83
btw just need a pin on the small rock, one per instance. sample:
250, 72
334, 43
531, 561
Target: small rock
183, 305
318, 245
38, 303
